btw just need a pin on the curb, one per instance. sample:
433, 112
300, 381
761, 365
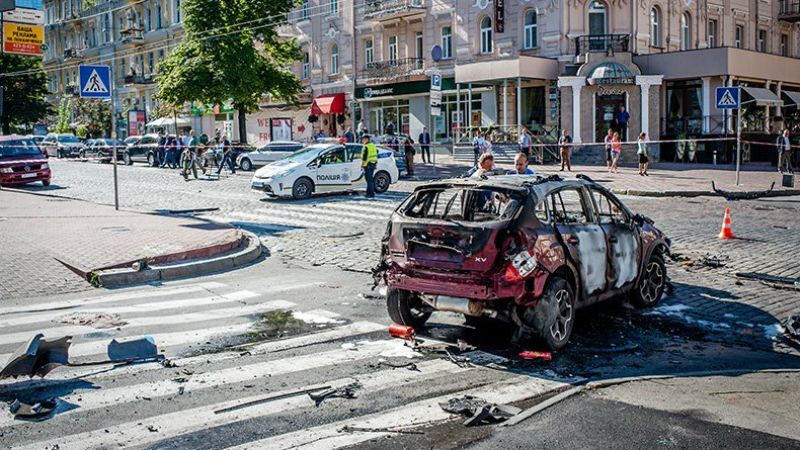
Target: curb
689, 194
249, 250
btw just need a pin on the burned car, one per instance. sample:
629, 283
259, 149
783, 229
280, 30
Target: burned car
526, 250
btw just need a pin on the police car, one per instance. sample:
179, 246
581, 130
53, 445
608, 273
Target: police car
324, 167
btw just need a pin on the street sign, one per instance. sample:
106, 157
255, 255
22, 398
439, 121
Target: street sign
95, 81
23, 39
24, 15
436, 111
436, 94
436, 53
436, 81
728, 97
31, 4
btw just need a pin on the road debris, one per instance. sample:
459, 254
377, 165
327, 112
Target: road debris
33, 411
272, 398
792, 326
93, 319
347, 391
478, 410
773, 281
528, 354
402, 331
407, 365
128, 349
349, 429
37, 357
747, 195
626, 347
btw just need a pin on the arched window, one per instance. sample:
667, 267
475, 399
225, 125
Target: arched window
686, 31
655, 27
305, 68
531, 24
486, 35
597, 18
334, 60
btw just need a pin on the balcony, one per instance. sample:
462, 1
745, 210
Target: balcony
139, 79
789, 10
602, 43
381, 10
73, 53
394, 69
132, 35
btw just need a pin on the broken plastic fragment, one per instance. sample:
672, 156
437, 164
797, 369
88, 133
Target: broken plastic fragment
36, 411
132, 349
401, 331
479, 410
38, 356
527, 354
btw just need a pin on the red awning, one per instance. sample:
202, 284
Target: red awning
328, 104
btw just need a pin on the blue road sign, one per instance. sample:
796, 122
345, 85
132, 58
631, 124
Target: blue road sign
436, 53
728, 97
436, 81
95, 81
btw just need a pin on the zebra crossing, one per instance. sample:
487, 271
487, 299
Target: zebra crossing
243, 395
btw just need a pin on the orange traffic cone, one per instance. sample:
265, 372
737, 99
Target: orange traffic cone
726, 232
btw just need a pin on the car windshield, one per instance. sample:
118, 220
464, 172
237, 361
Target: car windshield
69, 139
131, 140
463, 205
18, 148
305, 154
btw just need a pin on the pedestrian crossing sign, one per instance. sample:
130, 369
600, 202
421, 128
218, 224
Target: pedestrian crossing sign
95, 81
727, 97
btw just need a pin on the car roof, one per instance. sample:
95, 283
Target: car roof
535, 184
13, 137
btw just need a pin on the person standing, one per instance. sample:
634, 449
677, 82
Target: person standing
565, 144
424, 140
162, 148
609, 137
641, 143
622, 119
477, 146
369, 159
188, 159
784, 145
539, 147
409, 152
227, 156
349, 136
526, 142
616, 151
173, 152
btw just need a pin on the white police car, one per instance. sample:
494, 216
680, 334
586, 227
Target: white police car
325, 167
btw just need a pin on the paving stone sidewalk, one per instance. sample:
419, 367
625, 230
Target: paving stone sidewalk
38, 231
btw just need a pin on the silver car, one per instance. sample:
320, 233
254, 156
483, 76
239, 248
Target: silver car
271, 152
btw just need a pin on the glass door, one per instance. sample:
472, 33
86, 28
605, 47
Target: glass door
606, 107
597, 26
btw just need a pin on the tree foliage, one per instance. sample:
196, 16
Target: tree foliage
24, 94
63, 115
220, 59
94, 115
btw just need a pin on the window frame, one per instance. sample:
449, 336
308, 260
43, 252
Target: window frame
626, 218
587, 208
334, 60
655, 27
530, 37
711, 33
305, 63
738, 36
487, 40
369, 51
391, 49
784, 45
686, 31
761, 40
447, 42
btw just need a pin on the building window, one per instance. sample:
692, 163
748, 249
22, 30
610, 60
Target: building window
333, 6
369, 52
177, 11
762, 41
392, 49
334, 60
447, 42
418, 39
784, 45
486, 35
738, 38
712, 33
158, 16
151, 63
304, 68
655, 27
148, 22
686, 31
597, 18
531, 24
305, 9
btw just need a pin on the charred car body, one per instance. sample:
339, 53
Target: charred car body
527, 250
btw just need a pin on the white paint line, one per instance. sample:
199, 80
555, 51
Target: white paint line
135, 433
416, 414
143, 322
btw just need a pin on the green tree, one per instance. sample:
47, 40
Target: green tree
23, 99
234, 61
64, 115
93, 114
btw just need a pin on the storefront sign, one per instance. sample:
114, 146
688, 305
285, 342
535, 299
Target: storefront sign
136, 123
27, 16
606, 81
370, 92
499, 15
23, 39
407, 88
281, 129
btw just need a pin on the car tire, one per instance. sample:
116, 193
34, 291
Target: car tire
652, 283
382, 182
59, 155
406, 308
151, 160
302, 189
246, 165
127, 159
552, 319
82, 154
45, 183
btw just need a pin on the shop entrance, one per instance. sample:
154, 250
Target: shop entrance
386, 117
606, 106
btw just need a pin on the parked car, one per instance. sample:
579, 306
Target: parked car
399, 154
526, 250
143, 149
22, 162
62, 145
326, 167
103, 149
271, 152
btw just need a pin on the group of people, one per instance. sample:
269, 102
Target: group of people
613, 147
190, 152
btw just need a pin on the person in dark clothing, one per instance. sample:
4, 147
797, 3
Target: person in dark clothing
162, 148
425, 145
622, 117
227, 156
349, 136
410, 151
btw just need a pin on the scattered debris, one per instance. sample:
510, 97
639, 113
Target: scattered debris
168, 363
408, 365
38, 356
749, 195
92, 319
792, 325
349, 429
152, 429
479, 411
527, 354
181, 390
627, 347
130, 349
402, 331
348, 391
773, 281
273, 397
36, 411
329, 285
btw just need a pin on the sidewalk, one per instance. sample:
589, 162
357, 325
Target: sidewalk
51, 244
665, 180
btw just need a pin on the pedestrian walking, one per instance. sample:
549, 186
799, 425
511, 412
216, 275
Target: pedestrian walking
227, 156
369, 159
526, 142
478, 143
616, 151
162, 148
424, 140
609, 137
172, 152
565, 144
641, 143
784, 145
188, 158
538, 147
349, 136
622, 117
521, 165
409, 152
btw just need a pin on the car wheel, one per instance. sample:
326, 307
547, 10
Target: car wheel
127, 159
382, 182
151, 160
246, 165
406, 308
45, 183
302, 189
81, 154
651, 286
59, 155
553, 317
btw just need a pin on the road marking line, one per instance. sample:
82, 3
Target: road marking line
201, 418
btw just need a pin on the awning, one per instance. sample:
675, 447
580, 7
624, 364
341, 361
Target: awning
763, 96
527, 67
169, 122
328, 104
793, 96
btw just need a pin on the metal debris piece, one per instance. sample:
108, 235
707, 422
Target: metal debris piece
349, 429
792, 325
38, 357
272, 397
127, 349
35, 411
408, 365
348, 391
478, 410
627, 347
751, 195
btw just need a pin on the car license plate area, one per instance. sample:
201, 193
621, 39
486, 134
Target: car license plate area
28, 175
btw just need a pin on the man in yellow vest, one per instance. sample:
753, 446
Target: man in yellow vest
369, 159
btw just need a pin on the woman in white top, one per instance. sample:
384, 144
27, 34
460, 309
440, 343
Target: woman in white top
643, 159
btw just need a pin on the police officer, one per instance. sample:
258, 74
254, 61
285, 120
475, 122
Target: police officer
369, 159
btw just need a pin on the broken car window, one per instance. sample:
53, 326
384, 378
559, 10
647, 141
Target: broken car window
541, 212
463, 204
568, 208
607, 210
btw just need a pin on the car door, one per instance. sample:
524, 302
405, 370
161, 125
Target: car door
357, 172
48, 144
584, 239
624, 242
272, 153
139, 151
334, 170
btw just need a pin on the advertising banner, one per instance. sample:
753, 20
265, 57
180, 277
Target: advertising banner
23, 39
